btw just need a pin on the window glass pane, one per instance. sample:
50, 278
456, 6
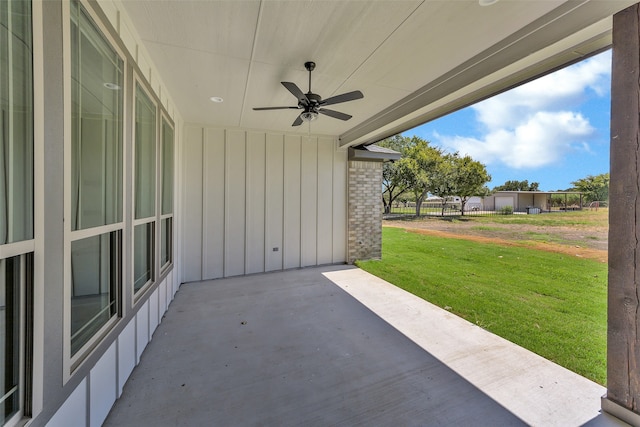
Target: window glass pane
166, 241
10, 284
95, 276
145, 171
16, 122
142, 255
167, 168
96, 134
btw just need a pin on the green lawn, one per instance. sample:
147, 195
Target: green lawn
552, 304
585, 218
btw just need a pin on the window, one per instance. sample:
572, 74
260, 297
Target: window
13, 285
145, 191
166, 239
96, 159
167, 168
166, 234
16, 207
145, 156
143, 250
95, 270
16, 137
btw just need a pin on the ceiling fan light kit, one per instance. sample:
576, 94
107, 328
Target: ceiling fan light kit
312, 103
309, 116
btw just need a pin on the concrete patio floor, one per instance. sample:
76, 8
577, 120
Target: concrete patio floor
333, 346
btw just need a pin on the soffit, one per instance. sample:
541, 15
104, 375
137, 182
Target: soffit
408, 57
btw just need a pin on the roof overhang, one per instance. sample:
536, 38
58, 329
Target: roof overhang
373, 153
414, 60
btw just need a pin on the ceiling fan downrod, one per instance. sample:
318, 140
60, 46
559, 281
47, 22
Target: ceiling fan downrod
310, 66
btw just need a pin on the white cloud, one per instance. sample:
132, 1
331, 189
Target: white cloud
540, 141
536, 124
563, 89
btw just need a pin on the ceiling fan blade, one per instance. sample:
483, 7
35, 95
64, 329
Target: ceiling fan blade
275, 108
349, 96
334, 114
295, 90
297, 121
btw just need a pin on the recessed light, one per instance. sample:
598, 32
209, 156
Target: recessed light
111, 86
487, 2
216, 99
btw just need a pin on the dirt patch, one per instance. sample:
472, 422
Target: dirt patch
585, 242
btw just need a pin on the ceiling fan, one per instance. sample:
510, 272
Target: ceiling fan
312, 103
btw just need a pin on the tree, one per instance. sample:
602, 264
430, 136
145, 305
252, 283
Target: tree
594, 188
394, 182
469, 179
418, 167
425, 170
518, 186
454, 175
443, 177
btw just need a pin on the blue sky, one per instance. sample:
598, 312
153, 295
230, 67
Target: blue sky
553, 130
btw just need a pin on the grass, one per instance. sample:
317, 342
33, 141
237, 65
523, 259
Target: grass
551, 304
585, 218
544, 237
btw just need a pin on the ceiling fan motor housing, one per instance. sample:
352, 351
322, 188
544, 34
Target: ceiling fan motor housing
313, 101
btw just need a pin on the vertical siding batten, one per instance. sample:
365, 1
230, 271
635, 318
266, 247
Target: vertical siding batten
274, 202
202, 190
192, 195
235, 199
308, 201
291, 211
255, 202
340, 205
214, 182
325, 202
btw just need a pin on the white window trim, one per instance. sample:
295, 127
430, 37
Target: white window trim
71, 363
18, 248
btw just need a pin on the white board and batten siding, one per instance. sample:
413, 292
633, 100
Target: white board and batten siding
257, 202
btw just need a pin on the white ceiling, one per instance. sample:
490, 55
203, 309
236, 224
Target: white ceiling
413, 60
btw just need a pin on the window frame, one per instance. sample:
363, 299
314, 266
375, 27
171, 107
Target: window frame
137, 296
26, 262
164, 118
7, 236
71, 362
24, 250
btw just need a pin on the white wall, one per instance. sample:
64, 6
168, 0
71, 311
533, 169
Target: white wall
247, 192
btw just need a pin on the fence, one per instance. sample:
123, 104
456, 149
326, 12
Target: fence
453, 209
436, 209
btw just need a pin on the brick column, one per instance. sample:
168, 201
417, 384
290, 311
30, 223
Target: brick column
365, 210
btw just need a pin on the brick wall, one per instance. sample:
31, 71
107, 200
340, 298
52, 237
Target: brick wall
365, 210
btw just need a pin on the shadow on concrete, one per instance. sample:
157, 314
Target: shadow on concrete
291, 348
605, 420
